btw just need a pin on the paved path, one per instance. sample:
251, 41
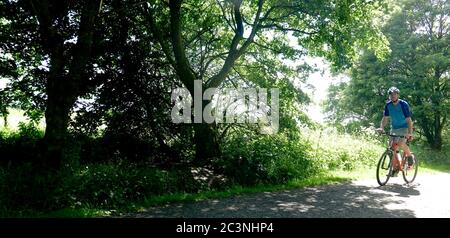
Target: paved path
429, 196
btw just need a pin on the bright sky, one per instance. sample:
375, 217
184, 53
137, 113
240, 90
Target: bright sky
3, 56
321, 81
3, 83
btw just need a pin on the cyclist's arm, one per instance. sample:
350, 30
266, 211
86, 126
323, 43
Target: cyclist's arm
384, 121
410, 125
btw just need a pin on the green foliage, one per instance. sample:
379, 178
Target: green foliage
431, 158
26, 188
336, 151
108, 185
112, 185
347, 27
21, 145
266, 159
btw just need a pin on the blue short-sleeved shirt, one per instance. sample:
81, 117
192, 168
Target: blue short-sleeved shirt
398, 113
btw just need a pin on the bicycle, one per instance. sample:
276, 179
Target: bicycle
385, 167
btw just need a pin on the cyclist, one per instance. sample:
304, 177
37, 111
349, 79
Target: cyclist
401, 124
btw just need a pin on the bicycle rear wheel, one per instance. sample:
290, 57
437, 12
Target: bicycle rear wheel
384, 168
409, 174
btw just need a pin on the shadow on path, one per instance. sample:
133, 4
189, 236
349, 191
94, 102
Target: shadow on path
346, 200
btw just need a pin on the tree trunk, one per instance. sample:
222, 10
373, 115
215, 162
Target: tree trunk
434, 139
64, 88
205, 139
56, 118
437, 142
206, 145
5, 120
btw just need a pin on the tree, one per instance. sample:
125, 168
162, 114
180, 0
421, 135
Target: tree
419, 65
359, 102
60, 36
207, 38
133, 100
423, 64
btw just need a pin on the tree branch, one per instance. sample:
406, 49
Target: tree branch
83, 47
225, 16
281, 28
234, 52
184, 70
158, 35
50, 38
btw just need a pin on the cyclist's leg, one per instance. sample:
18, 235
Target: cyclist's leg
396, 165
408, 154
402, 144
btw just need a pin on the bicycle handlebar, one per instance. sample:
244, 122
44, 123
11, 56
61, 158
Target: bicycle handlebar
392, 135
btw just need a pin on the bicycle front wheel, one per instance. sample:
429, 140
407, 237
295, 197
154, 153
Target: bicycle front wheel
410, 172
384, 168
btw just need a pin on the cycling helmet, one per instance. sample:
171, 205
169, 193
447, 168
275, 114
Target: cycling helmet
393, 90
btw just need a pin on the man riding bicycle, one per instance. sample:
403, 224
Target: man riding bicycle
401, 124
